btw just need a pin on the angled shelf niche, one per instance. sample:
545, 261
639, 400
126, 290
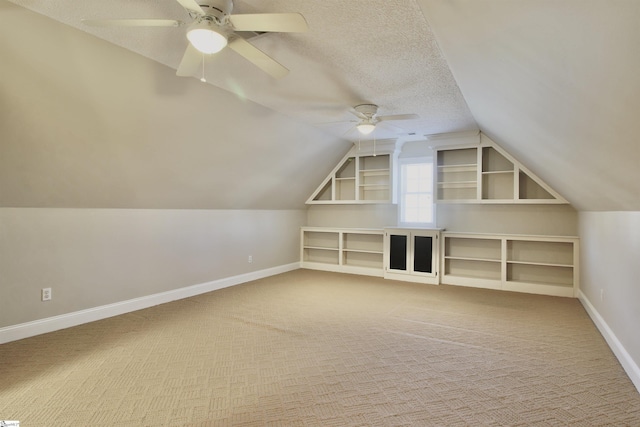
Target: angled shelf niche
352, 250
533, 264
362, 176
487, 174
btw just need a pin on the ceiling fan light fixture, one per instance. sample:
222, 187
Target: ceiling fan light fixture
365, 128
206, 38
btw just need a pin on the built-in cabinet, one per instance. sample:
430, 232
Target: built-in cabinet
411, 255
533, 264
487, 174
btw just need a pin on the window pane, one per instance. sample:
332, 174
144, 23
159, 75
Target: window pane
416, 188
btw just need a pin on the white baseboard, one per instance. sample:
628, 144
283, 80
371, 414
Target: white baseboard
50, 324
627, 362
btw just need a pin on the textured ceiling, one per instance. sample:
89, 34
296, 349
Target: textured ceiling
379, 51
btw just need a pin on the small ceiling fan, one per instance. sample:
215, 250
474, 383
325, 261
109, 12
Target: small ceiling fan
368, 115
214, 27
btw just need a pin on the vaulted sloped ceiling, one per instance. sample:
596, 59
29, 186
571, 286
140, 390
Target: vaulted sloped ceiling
94, 117
89, 124
84, 123
555, 83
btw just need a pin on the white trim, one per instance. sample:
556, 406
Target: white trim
625, 359
50, 324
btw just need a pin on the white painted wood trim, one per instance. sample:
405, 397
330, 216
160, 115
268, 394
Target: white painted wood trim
63, 321
630, 366
350, 153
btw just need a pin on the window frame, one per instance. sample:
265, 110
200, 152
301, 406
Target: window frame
401, 193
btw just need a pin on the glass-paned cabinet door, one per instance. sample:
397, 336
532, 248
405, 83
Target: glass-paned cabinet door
423, 254
398, 251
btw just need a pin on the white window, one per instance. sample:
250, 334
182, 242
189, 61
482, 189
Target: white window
416, 192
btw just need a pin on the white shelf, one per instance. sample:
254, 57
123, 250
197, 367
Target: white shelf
474, 259
375, 172
374, 186
363, 251
541, 264
320, 248
471, 167
458, 184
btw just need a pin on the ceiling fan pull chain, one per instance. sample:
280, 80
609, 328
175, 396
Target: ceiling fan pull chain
203, 80
374, 144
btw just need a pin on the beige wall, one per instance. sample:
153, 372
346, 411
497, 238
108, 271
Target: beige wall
610, 273
550, 220
352, 216
93, 257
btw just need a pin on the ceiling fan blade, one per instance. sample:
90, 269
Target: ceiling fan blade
394, 128
191, 60
398, 117
270, 22
191, 6
337, 122
258, 58
358, 114
350, 129
132, 22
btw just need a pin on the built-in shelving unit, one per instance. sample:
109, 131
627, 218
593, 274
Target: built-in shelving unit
346, 250
487, 174
533, 264
364, 175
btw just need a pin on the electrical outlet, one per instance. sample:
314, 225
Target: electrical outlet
46, 294
601, 294
250, 259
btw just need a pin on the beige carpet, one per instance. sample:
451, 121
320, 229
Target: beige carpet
323, 349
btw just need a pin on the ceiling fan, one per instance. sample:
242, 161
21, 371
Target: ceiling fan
368, 115
214, 28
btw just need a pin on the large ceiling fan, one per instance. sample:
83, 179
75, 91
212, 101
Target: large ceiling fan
368, 115
214, 28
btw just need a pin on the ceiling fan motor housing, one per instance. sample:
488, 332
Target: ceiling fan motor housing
217, 8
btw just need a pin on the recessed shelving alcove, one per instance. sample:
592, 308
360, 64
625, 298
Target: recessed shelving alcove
484, 173
364, 175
